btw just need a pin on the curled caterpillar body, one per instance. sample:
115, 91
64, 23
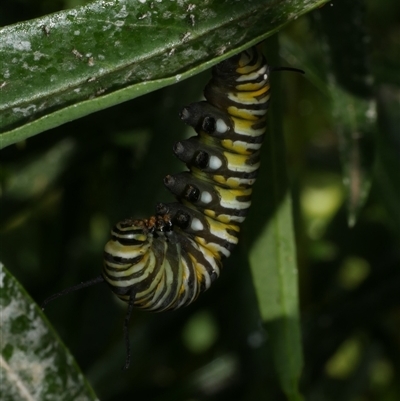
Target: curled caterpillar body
166, 261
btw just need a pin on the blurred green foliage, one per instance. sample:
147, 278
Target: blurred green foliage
62, 190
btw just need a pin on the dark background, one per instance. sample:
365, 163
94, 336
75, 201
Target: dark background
63, 190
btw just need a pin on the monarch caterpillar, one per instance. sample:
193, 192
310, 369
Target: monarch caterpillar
166, 261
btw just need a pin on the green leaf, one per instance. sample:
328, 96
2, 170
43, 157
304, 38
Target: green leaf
273, 255
387, 170
353, 106
69, 64
34, 364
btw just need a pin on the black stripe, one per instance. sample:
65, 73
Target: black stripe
108, 257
